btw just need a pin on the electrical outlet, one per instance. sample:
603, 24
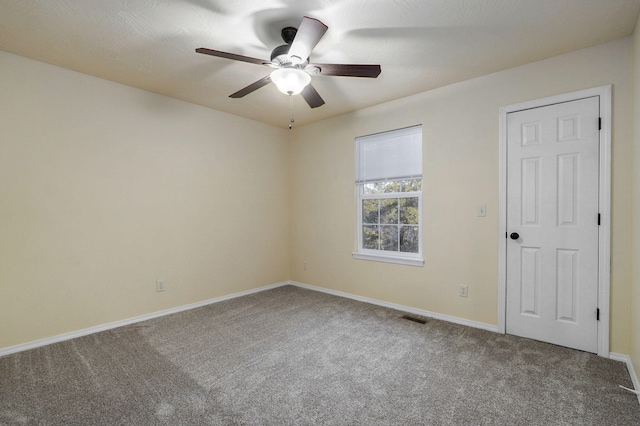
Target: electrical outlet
160, 285
464, 290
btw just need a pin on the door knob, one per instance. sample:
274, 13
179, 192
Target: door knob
514, 236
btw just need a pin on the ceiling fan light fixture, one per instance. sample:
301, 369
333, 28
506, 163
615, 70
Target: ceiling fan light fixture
290, 81
293, 71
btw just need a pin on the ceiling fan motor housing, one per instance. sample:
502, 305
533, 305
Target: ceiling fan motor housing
281, 54
288, 34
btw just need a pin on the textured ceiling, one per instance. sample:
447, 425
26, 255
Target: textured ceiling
420, 44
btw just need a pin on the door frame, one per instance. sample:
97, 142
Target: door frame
604, 205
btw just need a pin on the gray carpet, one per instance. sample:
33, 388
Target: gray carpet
290, 356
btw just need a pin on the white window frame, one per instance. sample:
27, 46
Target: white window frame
403, 258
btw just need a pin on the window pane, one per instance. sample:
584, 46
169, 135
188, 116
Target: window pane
389, 237
371, 188
409, 210
389, 210
369, 211
412, 185
391, 186
409, 239
370, 237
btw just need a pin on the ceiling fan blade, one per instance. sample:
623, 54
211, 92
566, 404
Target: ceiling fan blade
232, 56
250, 88
311, 95
347, 70
309, 34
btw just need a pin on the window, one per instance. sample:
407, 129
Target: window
389, 185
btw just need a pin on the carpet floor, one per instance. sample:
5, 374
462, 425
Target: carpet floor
290, 356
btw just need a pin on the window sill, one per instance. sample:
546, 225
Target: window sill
411, 261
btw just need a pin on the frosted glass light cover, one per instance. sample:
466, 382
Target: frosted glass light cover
290, 81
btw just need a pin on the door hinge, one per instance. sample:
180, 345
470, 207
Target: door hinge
598, 314
598, 219
599, 123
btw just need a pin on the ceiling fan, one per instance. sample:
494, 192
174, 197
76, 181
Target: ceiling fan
293, 71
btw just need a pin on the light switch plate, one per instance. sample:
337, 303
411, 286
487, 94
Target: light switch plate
482, 210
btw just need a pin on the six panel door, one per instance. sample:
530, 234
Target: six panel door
552, 223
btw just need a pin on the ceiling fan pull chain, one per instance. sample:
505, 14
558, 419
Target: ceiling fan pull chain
291, 120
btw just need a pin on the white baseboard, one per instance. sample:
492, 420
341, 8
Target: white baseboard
625, 358
403, 308
116, 324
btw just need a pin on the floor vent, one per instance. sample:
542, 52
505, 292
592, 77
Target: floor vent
414, 319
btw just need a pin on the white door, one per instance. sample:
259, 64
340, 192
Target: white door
552, 223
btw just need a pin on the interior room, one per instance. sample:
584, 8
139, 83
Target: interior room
134, 187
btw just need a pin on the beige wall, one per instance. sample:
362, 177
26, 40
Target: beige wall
460, 127
635, 320
105, 188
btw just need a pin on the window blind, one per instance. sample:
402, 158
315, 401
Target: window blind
392, 155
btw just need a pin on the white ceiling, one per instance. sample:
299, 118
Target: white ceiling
420, 44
